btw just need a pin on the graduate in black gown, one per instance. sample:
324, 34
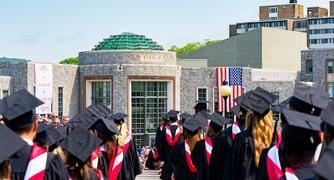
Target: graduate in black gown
131, 165
13, 143
248, 144
78, 146
152, 161
183, 166
158, 133
300, 138
222, 146
305, 99
324, 169
201, 155
19, 115
170, 136
327, 126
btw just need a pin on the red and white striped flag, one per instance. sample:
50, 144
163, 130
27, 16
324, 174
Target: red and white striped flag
234, 76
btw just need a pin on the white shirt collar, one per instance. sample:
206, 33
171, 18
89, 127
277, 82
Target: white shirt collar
174, 124
28, 141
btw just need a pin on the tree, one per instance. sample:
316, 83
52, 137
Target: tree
192, 46
70, 60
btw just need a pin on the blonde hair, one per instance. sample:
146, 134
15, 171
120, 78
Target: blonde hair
123, 129
193, 139
59, 152
262, 131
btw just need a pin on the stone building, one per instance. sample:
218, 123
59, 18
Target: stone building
132, 74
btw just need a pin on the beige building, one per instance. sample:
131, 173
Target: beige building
260, 48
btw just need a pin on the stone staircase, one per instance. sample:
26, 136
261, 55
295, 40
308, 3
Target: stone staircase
148, 175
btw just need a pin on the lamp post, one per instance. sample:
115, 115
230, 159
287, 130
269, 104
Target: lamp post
225, 93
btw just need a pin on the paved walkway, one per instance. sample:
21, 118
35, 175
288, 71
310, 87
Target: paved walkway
148, 175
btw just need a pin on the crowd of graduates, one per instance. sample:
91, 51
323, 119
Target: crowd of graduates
96, 144
255, 145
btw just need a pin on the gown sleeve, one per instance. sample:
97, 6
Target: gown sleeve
262, 173
236, 157
135, 159
55, 168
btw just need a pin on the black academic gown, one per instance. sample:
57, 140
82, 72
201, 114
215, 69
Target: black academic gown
158, 140
221, 152
167, 169
242, 157
55, 167
92, 175
131, 166
198, 156
304, 172
150, 161
179, 163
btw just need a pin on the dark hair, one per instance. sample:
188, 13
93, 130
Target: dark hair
5, 170
78, 169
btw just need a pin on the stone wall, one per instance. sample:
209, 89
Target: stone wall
127, 57
18, 71
66, 77
5, 82
319, 58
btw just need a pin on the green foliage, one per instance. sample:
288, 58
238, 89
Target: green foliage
70, 60
192, 46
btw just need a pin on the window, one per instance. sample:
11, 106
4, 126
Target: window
273, 10
277, 101
330, 67
60, 102
5, 93
330, 89
272, 18
101, 93
309, 66
215, 99
201, 94
148, 103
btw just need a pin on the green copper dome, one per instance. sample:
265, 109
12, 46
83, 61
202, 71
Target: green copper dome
128, 41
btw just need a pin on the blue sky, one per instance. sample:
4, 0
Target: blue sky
49, 31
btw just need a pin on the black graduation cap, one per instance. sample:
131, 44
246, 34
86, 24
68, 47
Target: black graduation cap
191, 125
219, 120
308, 99
63, 130
279, 107
18, 109
301, 133
243, 101
81, 143
261, 100
96, 111
84, 119
302, 120
185, 115
325, 165
203, 117
104, 109
10, 143
48, 135
201, 104
119, 118
327, 115
106, 126
172, 114
236, 110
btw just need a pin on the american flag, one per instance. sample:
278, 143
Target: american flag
234, 76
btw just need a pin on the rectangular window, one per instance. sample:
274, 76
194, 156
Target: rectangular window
101, 93
330, 89
148, 103
5, 93
277, 101
330, 67
273, 10
60, 102
215, 99
308, 66
201, 94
